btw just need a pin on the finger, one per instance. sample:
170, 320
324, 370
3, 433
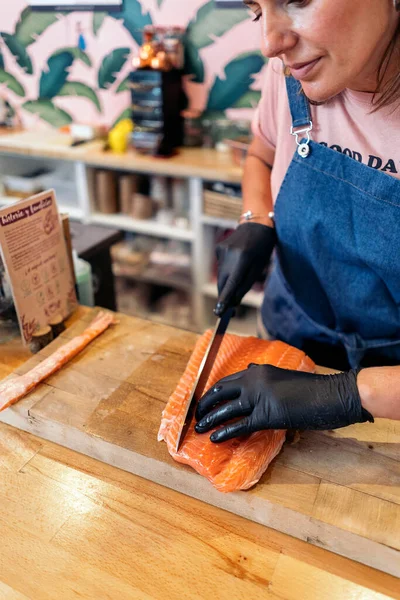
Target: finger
219, 309
231, 410
230, 378
238, 429
228, 289
218, 393
246, 284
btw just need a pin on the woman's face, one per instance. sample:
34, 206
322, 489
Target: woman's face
329, 45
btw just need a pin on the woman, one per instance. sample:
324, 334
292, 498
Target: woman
328, 198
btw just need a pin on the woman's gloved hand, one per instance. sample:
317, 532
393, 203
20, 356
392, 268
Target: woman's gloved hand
242, 258
266, 397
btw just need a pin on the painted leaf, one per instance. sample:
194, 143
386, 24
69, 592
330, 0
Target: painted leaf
249, 100
19, 52
194, 65
98, 19
32, 24
1, 60
126, 114
76, 88
211, 22
159, 2
238, 79
134, 19
11, 109
76, 53
48, 112
52, 80
123, 86
111, 66
11, 83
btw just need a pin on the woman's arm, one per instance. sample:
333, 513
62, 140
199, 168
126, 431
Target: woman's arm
379, 389
256, 183
243, 256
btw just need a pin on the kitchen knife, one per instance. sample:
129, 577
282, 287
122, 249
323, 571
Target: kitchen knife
203, 374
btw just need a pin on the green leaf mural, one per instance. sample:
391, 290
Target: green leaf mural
32, 24
76, 53
11, 83
238, 79
18, 51
134, 19
211, 22
59, 64
52, 80
249, 100
111, 66
48, 112
76, 88
126, 114
123, 86
98, 19
194, 66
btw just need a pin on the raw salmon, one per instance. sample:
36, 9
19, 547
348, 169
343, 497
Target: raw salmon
13, 390
239, 463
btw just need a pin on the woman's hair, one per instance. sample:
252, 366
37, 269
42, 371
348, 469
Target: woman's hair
390, 92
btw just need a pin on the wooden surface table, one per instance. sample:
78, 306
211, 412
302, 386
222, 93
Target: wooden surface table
72, 527
205, 163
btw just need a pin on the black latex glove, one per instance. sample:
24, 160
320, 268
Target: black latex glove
272, 398
242, 257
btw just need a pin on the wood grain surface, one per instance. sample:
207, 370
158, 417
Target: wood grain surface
337, 490
205, 163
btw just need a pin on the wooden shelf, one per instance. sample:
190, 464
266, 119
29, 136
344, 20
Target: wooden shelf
146, 227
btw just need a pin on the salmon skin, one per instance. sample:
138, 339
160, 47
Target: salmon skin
236, 464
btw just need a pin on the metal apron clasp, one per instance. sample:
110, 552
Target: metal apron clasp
303, 148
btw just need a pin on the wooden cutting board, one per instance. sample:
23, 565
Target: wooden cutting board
338, 490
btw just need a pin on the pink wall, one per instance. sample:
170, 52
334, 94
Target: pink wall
241, 38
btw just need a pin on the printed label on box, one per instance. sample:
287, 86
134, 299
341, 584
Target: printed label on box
35, 256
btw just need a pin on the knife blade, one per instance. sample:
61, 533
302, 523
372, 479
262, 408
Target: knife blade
204, 372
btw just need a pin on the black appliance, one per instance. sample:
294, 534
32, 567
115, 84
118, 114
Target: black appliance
158, 100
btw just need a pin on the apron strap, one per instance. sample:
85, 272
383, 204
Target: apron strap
298, 103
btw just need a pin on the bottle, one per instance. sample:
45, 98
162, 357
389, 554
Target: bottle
147, 50
84, 282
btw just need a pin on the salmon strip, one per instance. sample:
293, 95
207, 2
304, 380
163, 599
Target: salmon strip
13, 390
236, 464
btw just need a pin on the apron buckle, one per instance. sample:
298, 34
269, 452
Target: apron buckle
303, 148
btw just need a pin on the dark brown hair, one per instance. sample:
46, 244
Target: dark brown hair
390, 92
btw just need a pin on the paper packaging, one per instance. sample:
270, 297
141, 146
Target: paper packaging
35, 256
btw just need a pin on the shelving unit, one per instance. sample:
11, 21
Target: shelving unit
7, 200
198, 167
74, 212
217, 222
145, 227
252, 298
152, 274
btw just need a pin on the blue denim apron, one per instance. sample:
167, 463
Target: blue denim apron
335, 281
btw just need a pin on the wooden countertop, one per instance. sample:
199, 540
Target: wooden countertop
189, 162
72, 527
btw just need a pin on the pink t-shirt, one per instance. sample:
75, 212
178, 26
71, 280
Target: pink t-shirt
344, 124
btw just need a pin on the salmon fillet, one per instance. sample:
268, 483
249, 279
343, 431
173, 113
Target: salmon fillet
13, 390
236, 464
